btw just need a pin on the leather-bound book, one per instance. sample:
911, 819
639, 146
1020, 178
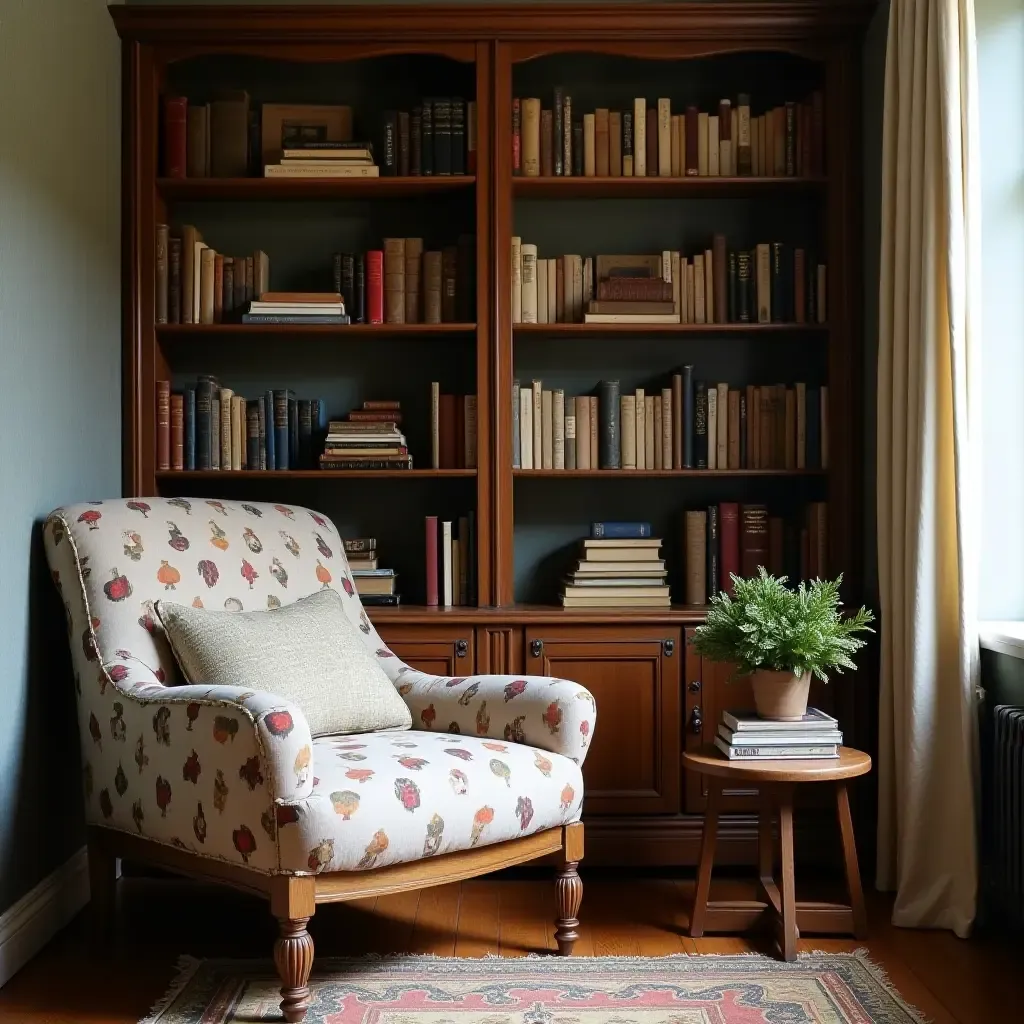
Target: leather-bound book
753, 428
198, 154
570, 433
229, 135
416, 141
615, 143
457, 118
583, 432
427, 138
602, 142
517, 136
204, 424
567, 139
163, 425
609, 454
175, 136
531, 137
729, 544
162, 236
733, 455
375, 286
627, 431
789, 429
639, 137
652, 142
207, 282
449, 284
174, 280
686, 415
589, 146
448, 431
663, 124
432, 282
404, 143
177, 432
471, 137
218, 288
413, 275
712, 554
394, 280
753, 539
431, 559
700, 425
628, 170
696, 558
546, 144
442, 107
743, 150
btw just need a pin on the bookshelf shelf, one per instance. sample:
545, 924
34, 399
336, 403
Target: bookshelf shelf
663, 188
313, 474
627, 474
255, 189
597, 330
349, 332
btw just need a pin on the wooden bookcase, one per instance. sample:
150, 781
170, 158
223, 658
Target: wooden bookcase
655, 696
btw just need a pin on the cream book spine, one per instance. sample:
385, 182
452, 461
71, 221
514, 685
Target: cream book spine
709, 287
664, 138
226, 403
531, 138
666, 428
536, 390
570, 433
542, 291
595, 461
528, 255
627, 424
526, 428
589, 146
696, 558
238, 430
435, 424
702, 144
714, 151
650, 457
712, 427
577, 289
722, 454
517, 280
659, 452
640, 137
446, 563
552, 270
698, 289
677, 284
801, 425
641, 429
558, 429
547, 437
582, 432
691, 293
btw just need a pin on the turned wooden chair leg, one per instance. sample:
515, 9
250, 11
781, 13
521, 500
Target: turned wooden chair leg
569, 890
853, 886
787, 883
292, 902
102, 887
707, 860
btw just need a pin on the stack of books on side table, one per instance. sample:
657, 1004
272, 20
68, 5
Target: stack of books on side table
742, 736
297, 308
621, 567
325, 160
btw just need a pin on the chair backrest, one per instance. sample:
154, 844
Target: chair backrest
112, 559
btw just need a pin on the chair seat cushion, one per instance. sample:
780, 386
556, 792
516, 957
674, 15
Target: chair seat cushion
307, 652
389, 798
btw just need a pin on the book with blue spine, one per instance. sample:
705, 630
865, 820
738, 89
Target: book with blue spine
252, 435
620, 530
269, 429
280, 429
204, 424
189, 416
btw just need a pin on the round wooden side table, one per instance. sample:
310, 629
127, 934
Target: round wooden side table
775, 781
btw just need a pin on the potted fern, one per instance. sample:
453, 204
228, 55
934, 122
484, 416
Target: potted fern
781, 637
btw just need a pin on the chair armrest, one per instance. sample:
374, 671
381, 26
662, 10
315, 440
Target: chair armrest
538, 711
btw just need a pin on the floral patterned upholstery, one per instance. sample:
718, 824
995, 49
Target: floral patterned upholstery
231, 773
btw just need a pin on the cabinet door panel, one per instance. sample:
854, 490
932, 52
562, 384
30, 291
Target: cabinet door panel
444, 652
633, 764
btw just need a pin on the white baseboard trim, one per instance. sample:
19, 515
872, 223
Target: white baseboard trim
42, 912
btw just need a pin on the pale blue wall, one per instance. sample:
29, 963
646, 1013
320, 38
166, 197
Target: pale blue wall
1001, 82
60, 419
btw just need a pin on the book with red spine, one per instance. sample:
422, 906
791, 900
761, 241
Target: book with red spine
175, 134
177, 432
375, 286
729, 544
753, 540
448, 430
431, 538
163, 425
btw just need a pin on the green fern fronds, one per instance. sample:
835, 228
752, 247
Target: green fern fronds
768, 625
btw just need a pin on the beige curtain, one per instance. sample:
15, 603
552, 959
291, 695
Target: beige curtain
929, 333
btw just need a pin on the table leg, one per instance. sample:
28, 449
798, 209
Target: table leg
853, 886
707, 859
790, 933
765, 840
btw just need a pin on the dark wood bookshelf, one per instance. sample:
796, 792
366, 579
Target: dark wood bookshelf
663, 188
247, 190
351, 332
311, 474
656, 696
596, 330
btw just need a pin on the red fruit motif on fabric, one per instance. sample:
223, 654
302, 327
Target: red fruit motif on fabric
285, 511
483, 720
163, 795
245, 842
408, 793
177, 540
168, 575
360, 774
209, 572
218, 538
218, 506
287, 814
319, 520
459, 752
139, 506
91, 518
553, 716
455, 681
413, 764
322, 547
89, 647
499, 748
323, 574
321, 855
250, 772
513, 689
377, 845
117, 588
133, 545
191, 713
225, 728
428, 716
249, 574
567, 797
470, 693
481, 820
162, 726
279, 723
191, 769
584, 731
346, 585
542, 764
117, 673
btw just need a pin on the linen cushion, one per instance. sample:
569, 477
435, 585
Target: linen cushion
307, 652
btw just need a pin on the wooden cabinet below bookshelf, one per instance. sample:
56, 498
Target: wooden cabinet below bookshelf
440, 652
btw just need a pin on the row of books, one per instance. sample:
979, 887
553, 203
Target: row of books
451, 561
690, 425
453, 430
376, 586
405, 284
771, 283
743, 736
618, 572
219, 139
209, 427
325, 160
731, 539
369, 438
436, 137
651, 141
195, 284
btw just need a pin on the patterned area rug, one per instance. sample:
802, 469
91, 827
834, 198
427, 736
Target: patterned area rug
820, 988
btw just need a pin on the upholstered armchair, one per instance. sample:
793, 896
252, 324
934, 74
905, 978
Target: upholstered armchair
227, 783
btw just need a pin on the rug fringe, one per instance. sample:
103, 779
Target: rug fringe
184, 971
881, 975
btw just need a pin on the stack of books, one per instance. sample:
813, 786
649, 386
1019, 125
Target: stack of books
621, 567
369, 438
742, 736
297, 308
325, 160
376, 586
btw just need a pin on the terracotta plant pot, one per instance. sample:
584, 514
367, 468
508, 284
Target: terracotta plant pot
781, 696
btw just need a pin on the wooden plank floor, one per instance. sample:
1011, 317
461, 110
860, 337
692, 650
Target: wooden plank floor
76, 981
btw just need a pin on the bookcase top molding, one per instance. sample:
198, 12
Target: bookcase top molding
757, 23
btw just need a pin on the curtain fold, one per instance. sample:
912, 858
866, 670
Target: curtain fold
928, 462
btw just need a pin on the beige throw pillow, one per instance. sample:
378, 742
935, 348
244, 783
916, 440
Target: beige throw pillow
308, 652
